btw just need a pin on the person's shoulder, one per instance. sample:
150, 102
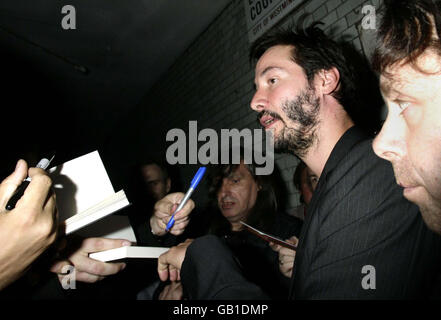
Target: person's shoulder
362, 161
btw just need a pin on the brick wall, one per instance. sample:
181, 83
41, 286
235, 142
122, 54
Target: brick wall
212, 82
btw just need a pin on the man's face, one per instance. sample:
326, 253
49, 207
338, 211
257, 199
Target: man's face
237, 195
286, 103
157, 186
411, 136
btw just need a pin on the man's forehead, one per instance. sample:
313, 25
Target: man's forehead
272, 55
405, 73
390, 83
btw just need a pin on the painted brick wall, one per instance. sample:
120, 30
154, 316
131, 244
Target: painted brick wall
212, 82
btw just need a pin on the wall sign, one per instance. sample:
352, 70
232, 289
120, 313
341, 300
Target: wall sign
261, 15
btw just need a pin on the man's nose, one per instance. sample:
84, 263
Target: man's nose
390, 143
259, 101
224, 189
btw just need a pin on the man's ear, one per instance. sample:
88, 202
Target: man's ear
328, 80
168, 185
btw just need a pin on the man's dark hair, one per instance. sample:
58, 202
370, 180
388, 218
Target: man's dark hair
406, 31
263, 213
314, 51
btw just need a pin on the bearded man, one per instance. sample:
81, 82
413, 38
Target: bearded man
361, 238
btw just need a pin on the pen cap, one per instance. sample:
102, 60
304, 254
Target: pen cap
197, 178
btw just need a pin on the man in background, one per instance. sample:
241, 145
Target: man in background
305, 182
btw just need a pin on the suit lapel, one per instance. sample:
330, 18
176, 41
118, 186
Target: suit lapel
347, 141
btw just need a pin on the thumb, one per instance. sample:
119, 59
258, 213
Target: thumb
11, 183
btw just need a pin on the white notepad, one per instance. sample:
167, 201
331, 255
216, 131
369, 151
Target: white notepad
128, 252
85, 194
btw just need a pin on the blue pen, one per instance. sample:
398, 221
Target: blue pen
194, 183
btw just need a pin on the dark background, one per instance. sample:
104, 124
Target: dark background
48, 103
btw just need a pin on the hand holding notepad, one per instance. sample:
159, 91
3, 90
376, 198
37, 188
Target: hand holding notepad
86, 202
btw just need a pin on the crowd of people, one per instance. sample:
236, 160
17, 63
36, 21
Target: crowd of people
364, 202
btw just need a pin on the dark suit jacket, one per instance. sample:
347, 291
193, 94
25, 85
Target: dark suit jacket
358, 217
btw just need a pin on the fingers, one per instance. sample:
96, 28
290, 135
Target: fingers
163, 211
287, 258
274, 246
93, 270
185, 211
62, 271
170, 262
87, 277
59, 266
294, 240
11, 183
168, 267
91, 245
165, 207
163, 266
88, 269
86, 264
179, 226
37, 192
286, 252
174, 274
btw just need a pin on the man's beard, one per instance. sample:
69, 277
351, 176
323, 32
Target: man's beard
303, 112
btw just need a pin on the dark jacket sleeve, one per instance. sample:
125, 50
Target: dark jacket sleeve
209, 271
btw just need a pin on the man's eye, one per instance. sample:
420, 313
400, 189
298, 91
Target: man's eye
402, 104
272, 80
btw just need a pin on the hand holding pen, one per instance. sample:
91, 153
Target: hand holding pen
42, 164
179, 205
31, 227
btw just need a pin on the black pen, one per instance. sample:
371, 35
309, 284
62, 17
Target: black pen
43, 164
